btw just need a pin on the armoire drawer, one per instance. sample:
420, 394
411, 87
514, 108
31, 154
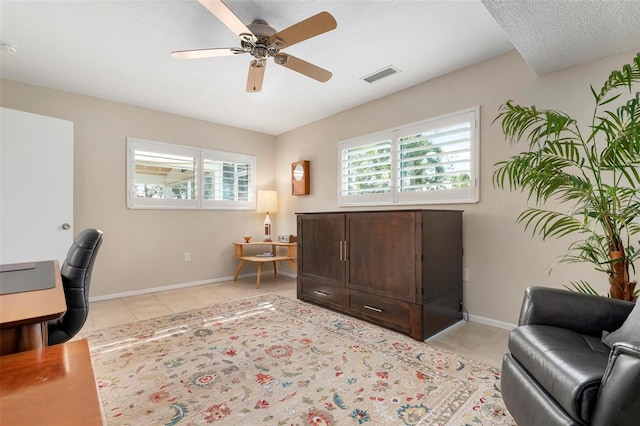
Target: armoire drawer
389, 312
322, 293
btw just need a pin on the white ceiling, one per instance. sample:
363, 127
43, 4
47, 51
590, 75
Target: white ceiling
556, 34
120, 50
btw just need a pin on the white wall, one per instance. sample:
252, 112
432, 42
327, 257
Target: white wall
501, 257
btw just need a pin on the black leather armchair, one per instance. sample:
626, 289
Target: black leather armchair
76, 276
560, 373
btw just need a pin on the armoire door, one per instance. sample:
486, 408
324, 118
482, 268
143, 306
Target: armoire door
383, 250
323, 235
322, 258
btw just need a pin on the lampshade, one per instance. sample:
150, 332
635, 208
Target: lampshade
267, 201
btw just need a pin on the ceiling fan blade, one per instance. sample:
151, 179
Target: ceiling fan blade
256, 75
207, 53
303, 30
223, 13
303, 67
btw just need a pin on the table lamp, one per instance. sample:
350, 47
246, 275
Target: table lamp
267, 202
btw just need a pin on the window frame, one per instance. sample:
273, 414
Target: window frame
470, 194
199, 155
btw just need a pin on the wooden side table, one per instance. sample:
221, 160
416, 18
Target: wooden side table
290, 256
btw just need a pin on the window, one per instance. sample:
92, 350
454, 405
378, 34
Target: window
435, 161
165, 176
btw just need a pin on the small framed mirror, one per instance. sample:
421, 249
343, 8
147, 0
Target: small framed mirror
300, 178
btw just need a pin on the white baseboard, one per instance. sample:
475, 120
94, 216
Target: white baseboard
478, 319
178, 286
167, 287
492, 322
446, 330
288, 274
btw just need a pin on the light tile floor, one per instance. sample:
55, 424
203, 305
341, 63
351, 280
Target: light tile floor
470, 339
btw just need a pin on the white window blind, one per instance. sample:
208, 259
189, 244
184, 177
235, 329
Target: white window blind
366, 170
435, 161
228, 180
163, 175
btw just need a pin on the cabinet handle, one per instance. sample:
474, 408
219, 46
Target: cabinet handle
321, 293
371, 308
344, 252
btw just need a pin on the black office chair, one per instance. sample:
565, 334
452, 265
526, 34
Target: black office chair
76, 276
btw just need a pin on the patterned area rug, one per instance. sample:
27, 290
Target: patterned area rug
269, 360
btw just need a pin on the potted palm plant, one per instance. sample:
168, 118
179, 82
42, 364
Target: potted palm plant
591, 173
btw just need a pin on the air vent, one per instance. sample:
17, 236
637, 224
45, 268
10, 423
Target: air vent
385, 72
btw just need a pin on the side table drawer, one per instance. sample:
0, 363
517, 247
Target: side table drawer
321, 293
388, 312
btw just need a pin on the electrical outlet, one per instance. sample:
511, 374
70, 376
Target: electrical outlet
187, 256
465, 274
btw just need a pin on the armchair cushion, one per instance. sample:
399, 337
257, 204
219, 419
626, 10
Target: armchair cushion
628, 332
567, 364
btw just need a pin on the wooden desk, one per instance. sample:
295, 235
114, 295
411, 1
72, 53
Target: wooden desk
50, 386
24, 315
291, 255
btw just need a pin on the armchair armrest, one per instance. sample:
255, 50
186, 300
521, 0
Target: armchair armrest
619, 399
582, 313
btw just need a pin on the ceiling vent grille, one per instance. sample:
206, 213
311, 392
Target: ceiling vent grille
385, 72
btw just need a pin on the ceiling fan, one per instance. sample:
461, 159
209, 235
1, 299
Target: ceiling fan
262, 41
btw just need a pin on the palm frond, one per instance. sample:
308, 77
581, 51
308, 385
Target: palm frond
567, 149
622, 151
629, 74
544, 174
549, 223
595, 246
537, 126
582, 287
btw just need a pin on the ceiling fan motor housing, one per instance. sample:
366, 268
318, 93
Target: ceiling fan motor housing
259, 45
260, 28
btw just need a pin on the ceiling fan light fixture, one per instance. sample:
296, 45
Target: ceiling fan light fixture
380, 74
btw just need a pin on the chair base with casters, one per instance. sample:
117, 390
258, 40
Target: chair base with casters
76, 276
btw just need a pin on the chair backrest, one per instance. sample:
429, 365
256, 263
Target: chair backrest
76, 276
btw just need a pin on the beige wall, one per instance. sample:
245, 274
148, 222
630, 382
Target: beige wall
501, 257
144, 248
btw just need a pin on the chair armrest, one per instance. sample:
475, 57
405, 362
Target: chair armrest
582, 313
619, 399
